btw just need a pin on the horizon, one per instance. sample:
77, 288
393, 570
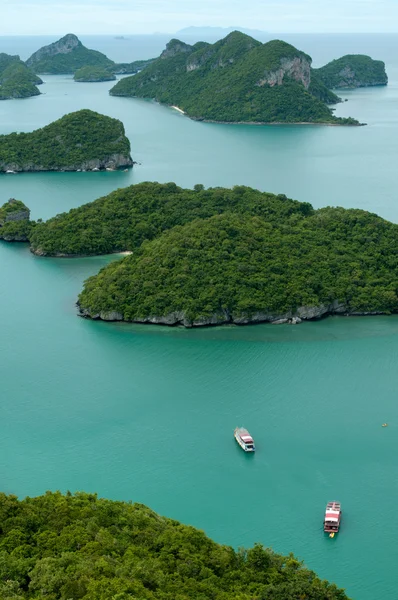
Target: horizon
162, 17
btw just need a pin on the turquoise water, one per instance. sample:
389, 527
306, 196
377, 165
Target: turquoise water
147, 413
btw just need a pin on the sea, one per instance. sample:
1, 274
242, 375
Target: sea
147, 413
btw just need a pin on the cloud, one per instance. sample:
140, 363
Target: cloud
146, 16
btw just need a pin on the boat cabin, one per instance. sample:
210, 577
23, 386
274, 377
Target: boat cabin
244, 439
331, 523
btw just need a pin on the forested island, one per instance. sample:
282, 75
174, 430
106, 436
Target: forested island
217, 256
80, 141
14, 221
66, 56
80, 546
16, 79
93, 74
352, 71
236, 80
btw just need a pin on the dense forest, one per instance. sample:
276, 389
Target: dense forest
352, 71
16, 79
237, 79
70, 547
94, 74
123, 219
73, 142
239, 268
66, 56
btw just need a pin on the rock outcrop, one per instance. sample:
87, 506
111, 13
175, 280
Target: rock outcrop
297, 68
353, 71
179, 318
14, 221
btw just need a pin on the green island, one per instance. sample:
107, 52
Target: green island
70, 547
80, 141
236, 80
15, 223
16, 79
66, 56
219, 255
352, 71
93, 74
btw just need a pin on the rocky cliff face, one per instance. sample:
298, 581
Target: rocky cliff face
303, 313
112, 163
14, 221
63, 46
348, 78
297, 68
175, 47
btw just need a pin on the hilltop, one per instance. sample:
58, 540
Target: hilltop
352, 71
16, 79
235, 80
66, 56
80, 546
83, 140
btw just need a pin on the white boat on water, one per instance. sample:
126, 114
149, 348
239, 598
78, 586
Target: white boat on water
244, 439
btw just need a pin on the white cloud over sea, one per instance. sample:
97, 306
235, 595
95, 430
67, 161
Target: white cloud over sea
30, 17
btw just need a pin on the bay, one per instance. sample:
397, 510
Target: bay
147, 413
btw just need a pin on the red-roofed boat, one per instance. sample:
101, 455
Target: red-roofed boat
331, 522
244, 439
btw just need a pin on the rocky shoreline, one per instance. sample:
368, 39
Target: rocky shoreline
303, 313
115, 162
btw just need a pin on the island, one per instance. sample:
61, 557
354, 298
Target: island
236, 80
80, 141
93, 74
82, 546
66, 56
16, 79
353, 71
15, 223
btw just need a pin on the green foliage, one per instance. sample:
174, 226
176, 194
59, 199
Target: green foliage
93, 73
81, 547
351, 71
319, 90
130, 68
125, 218
10, 207
67, 143
16, 80
233, 81
16, 231
238, 265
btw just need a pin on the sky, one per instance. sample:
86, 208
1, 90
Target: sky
51, 17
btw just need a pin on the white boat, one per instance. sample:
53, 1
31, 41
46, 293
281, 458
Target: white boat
244, 439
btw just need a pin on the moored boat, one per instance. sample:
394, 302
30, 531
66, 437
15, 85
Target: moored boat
331, 522
244, 439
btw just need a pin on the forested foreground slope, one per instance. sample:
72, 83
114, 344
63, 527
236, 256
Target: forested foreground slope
57, 547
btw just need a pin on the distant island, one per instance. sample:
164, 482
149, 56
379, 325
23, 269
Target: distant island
353, 71
93, 74
80, 141
66, 56
81, 546
14, 221
16, 79
236, 80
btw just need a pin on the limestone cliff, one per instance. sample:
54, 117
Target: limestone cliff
353, 71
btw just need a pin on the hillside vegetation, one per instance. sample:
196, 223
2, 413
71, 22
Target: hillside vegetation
83, 139
125, 218
241, 268
93, 74
66, 56
352, 71
68, 547
237, 79
16, 79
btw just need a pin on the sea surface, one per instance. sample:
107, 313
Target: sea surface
146, 413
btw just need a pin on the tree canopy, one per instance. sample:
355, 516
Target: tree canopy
353, 70
71, 547
16, 79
